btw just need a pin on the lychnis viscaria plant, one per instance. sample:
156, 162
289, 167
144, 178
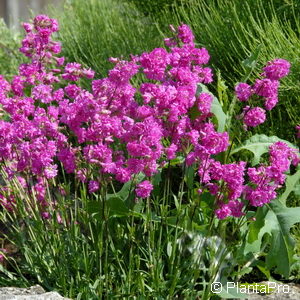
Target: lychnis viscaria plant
59, 140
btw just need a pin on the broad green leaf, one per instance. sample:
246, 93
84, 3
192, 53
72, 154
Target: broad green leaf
125, 190
297, 189
255, 227
117, 207
259, 144
203, 229
244, 271
156, 178
189, 176
282, 241
216, 108
261, 265
291, 184
139, 206
275, 220
93, 207
176, 161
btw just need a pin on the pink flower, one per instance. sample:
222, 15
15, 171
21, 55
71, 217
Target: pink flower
254, 116
170, 42
204, 102
277, 69
260, 195
88, 73
271, 102
211, 141
281, 156
266, 87
45, 215
233, 176
93, 186
43, 22
232, 208
27, 27
223, 212
155, 63
143, 189
42, 92
120, 130
185, 34
171, 151
267, 179
243, 91
205, 74
236, 208
73, 71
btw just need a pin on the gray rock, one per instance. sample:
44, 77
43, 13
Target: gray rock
282, 292
33, 293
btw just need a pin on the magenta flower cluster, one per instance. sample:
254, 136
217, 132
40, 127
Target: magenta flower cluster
265, 88
266, 179
117, 130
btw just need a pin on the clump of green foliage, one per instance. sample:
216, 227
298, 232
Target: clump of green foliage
92, 31
10, 57
232, 31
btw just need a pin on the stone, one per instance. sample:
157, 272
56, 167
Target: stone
282, 291
32, 293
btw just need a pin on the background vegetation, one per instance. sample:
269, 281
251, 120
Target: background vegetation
10, 57
92, 31
155, 253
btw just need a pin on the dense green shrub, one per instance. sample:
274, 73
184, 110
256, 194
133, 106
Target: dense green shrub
109, 243
232, 30
93, 31
9, 54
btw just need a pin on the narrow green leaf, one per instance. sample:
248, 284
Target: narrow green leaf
221, 89
169, 249
7, 273
251, 61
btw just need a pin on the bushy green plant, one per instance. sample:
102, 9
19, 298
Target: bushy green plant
184, 217
10, 57
92, 31
232, 31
